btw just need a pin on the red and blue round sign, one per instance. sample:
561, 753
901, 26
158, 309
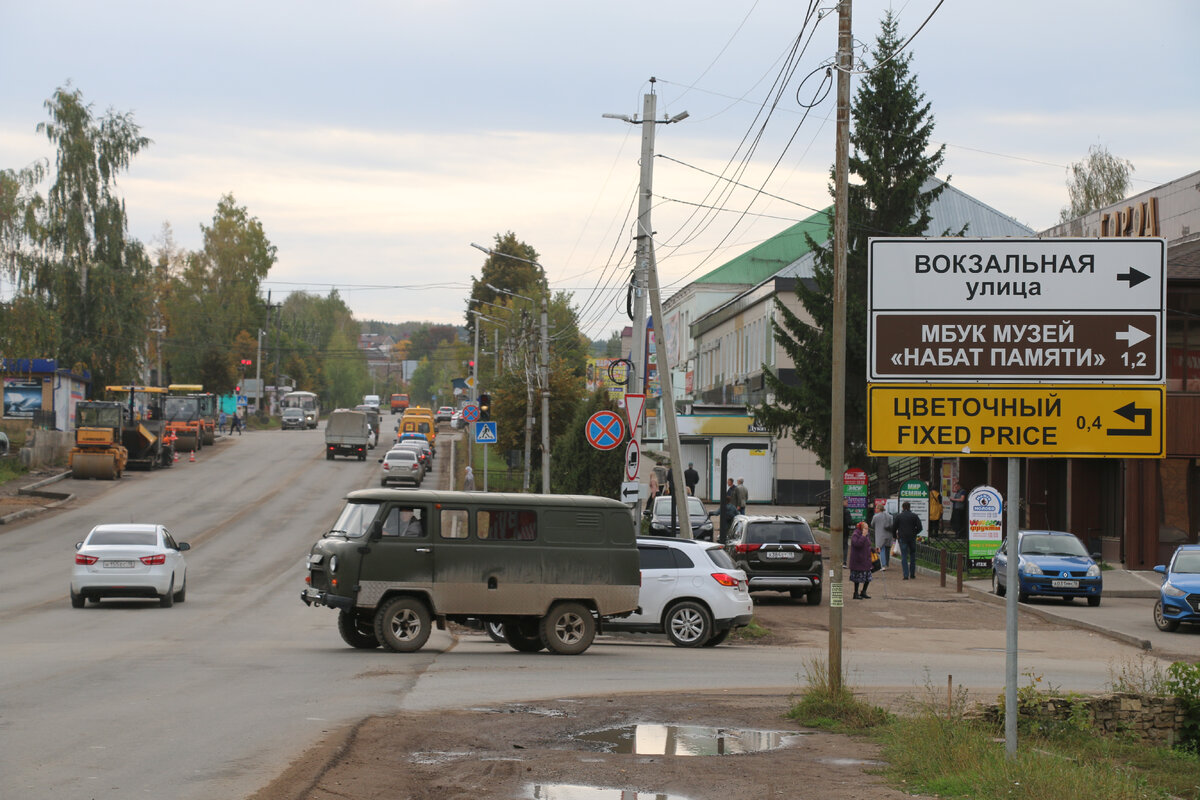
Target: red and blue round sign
604, 430
471, 413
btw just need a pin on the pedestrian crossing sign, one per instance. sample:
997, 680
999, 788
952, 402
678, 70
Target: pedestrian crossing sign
485, 433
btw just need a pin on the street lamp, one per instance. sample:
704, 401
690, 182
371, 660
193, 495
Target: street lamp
543, 378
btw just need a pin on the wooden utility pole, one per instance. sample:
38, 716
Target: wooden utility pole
837, 449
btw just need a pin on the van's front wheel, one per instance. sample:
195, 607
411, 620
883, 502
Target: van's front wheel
403, 624
357, 629
568, 629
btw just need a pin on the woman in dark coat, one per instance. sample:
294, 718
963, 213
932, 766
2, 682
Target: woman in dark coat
860, 561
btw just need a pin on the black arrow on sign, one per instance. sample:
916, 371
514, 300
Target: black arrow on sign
1134, 277
1131, 413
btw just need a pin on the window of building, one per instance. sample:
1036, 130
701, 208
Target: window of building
1183, 341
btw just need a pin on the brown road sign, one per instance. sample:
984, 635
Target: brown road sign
997, 346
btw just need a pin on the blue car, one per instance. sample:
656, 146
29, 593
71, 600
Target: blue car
1051, 564
1179, 597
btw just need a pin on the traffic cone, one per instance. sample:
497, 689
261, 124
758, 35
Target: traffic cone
192, 457
176, 457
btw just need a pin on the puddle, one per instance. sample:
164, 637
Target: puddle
851, 762
566, 791
520, 709
682, 740
438, 756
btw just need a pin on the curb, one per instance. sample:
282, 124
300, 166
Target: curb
1124, 638
34, 490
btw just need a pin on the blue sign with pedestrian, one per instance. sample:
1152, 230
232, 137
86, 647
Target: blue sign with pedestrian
485, 433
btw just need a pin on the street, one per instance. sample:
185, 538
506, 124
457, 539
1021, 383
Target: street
216, 696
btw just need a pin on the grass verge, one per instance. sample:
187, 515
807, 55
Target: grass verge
939, 748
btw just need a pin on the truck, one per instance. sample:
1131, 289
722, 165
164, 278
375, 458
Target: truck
399, 402
347, 433
549, 569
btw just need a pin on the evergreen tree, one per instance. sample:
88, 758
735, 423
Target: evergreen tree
579, 468
889, 165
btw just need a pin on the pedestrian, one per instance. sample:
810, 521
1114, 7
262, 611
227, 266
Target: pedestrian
728, 512
691, 478
743, 495
958, 511
881, 526
221, 422
730, 493
847, 529
235, 424
860, 561
907, 525
935, 512
469, 481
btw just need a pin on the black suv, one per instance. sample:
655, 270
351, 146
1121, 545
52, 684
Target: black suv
777, 553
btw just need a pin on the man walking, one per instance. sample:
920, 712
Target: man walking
691, 478
907, 525
742, 495
958, 511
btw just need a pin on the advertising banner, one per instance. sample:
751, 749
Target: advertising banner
916, 494
22, 398
854, 489
985, 524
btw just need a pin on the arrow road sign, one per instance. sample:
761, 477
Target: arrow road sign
1131, 412
630, 492
1133, 277
485, 432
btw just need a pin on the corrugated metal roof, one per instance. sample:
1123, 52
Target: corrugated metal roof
761, 262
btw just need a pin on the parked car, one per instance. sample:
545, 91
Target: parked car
129, 560
777, 553
690, 591
444, 414
293, 418
1179, 597
421, 448
456, 419
1051, 564
401, 466
659, 514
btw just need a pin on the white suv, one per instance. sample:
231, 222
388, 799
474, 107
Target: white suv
691, 591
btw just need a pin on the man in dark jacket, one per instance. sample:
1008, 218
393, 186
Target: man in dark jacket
907, 525
691, 478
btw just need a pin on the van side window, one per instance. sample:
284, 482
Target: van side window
455, 523
504, 524
404, 522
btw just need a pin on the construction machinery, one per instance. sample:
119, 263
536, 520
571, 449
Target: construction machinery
188, 420
98, 452
144, 430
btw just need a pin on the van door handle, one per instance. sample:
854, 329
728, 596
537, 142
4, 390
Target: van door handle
423, 550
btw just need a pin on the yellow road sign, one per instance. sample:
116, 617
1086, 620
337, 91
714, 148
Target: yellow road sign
1034, 420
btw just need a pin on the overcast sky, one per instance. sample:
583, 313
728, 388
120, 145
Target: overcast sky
376, 140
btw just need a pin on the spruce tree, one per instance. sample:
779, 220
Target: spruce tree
889, 164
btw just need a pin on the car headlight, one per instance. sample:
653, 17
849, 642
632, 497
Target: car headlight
1029, 568
333, 562
1094, 571
1171, 590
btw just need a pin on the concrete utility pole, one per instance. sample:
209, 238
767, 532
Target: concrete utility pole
837, 448
545, 381
637, 383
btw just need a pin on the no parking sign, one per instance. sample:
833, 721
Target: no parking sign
604, 430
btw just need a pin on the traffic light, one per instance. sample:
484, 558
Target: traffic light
246, 362
485, 402
471, 363
237, 390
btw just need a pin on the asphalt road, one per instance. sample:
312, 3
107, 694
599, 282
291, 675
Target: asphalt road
216, 696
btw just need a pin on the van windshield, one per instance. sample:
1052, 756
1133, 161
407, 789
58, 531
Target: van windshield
355, 520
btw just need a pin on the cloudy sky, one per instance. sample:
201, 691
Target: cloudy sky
376, 140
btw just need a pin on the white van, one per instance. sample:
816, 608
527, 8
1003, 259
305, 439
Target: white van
371, 400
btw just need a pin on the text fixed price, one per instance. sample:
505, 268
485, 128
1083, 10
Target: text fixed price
1016, 420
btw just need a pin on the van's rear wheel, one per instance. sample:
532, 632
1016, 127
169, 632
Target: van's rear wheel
522, 638
403, 624
357, 629
568, 629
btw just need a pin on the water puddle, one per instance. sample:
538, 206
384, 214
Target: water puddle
682, 740
851, 762
566, 791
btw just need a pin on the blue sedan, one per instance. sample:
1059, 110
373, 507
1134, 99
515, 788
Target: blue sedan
1050, 563
1179, 597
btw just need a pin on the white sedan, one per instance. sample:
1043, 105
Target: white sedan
129, 561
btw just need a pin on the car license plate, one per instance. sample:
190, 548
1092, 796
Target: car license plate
777, 555
1065, 584
118, 565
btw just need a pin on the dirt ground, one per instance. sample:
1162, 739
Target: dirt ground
531, 750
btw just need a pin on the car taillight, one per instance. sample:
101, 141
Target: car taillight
746, 548
150, 561
80, 558
725, 580
811, 548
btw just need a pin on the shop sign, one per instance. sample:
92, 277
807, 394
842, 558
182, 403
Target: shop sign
985, 531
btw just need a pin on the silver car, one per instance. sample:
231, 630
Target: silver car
401, 466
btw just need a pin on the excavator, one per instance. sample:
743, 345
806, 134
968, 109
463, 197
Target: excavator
98, 452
